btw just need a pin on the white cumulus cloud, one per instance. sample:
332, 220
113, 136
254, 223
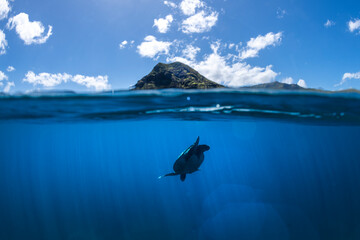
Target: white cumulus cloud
163, 24
188, 55
46, 79
4, 9
8, 86
188, 7
280, 13
302, 83
152, 48
170, 4
231, 73
3, 43
237, 74
29, 32
200, 22
126, 43
190, 52
123, 44
354, 25
3, 76
348, 76
10, 69
99, 83
254, 45
329, 23
288, 80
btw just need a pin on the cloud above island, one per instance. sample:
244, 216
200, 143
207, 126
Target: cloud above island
199, 23
218, 69
290, 80
225, 63
226, 69
196, 17
302, 83
153, 48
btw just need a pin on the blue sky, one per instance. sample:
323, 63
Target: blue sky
110, 44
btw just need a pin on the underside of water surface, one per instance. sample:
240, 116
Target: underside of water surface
280, 166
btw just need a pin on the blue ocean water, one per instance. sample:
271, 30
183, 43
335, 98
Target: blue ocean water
282, 165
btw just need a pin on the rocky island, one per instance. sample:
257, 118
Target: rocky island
175, 75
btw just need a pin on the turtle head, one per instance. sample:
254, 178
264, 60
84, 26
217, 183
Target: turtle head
203, 148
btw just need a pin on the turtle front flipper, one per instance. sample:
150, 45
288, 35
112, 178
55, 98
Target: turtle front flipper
182, 177
191, 150
197, 141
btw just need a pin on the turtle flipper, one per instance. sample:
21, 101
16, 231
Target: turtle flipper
197, 141
203, 148
191, 150
169, 174
182, 177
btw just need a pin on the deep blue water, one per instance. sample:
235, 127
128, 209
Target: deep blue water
281, 166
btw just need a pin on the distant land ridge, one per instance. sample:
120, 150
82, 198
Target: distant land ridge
175, 75
276, 85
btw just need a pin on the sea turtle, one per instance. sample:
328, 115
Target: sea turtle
189, 160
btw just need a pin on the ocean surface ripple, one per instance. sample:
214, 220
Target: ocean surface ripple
323, 108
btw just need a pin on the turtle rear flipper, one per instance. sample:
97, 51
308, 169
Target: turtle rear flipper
169, 174
182, 177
